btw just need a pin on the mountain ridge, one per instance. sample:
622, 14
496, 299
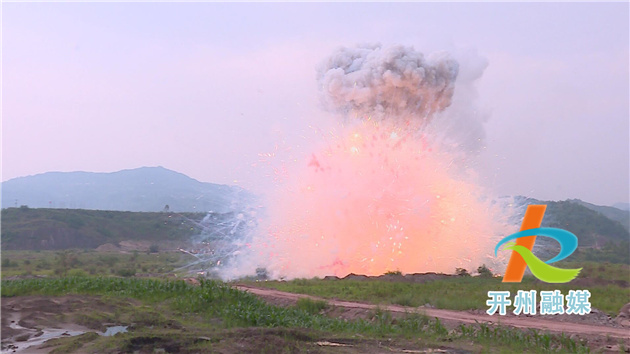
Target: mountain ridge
144, 189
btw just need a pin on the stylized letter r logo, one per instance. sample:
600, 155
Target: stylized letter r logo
516, 265
522, 256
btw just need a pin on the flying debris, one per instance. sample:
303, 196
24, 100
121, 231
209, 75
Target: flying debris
387, 188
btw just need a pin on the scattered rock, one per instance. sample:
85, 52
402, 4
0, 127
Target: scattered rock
22, 338
623, 318
616, 348
625, 311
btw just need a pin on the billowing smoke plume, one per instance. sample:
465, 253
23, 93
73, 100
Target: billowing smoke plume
387, 83
391, 190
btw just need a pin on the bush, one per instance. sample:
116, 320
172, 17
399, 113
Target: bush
109, 260
126, 272
311, 306
92, 269
77, 273
6, 263
462, 272
44, 264
484, 272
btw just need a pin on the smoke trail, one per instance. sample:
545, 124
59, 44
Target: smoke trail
223, 237
387, 83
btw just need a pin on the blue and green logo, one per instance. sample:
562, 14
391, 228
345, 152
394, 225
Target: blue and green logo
522, 242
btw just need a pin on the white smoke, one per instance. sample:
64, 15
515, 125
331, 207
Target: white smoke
459, 129
352, 196
372, 82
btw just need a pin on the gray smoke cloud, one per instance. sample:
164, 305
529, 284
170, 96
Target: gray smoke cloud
387, 83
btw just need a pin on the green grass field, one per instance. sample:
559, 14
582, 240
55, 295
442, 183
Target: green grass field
191, 318
172, 314
608, 283
457, 293
90, 262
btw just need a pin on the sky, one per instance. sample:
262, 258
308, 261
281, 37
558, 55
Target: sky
205, 88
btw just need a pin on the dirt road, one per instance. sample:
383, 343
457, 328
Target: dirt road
583, 330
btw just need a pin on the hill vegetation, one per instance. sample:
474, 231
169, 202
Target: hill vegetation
56, 229
613, 213
24, 228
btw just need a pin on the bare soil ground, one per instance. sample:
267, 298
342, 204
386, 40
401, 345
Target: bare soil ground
30, 320
29, 323
600, 336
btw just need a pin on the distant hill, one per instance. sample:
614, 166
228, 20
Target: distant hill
613, 213
593, 227
147, 189
600, 238
622, 206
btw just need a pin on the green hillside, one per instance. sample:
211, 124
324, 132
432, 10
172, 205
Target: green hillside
592, 227
600, 238
53, 229
623, 216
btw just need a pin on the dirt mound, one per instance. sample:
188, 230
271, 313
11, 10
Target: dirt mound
413, 277
108, 247
130, 246
623, 319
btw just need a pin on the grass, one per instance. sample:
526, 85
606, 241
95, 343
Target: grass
176, 312
608, 283
89, 262
457, 293
311, 306
601, 271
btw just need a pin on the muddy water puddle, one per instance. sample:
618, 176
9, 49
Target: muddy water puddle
20, 344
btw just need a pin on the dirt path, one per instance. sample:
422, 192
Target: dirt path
585, 330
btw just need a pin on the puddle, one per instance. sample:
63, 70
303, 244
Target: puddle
50, 333
20, 347
113, 330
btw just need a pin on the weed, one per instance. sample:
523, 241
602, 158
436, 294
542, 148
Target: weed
311, 306
456, 293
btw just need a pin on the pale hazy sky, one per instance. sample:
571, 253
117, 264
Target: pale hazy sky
203, 88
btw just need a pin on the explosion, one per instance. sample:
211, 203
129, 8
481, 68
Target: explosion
388, 189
